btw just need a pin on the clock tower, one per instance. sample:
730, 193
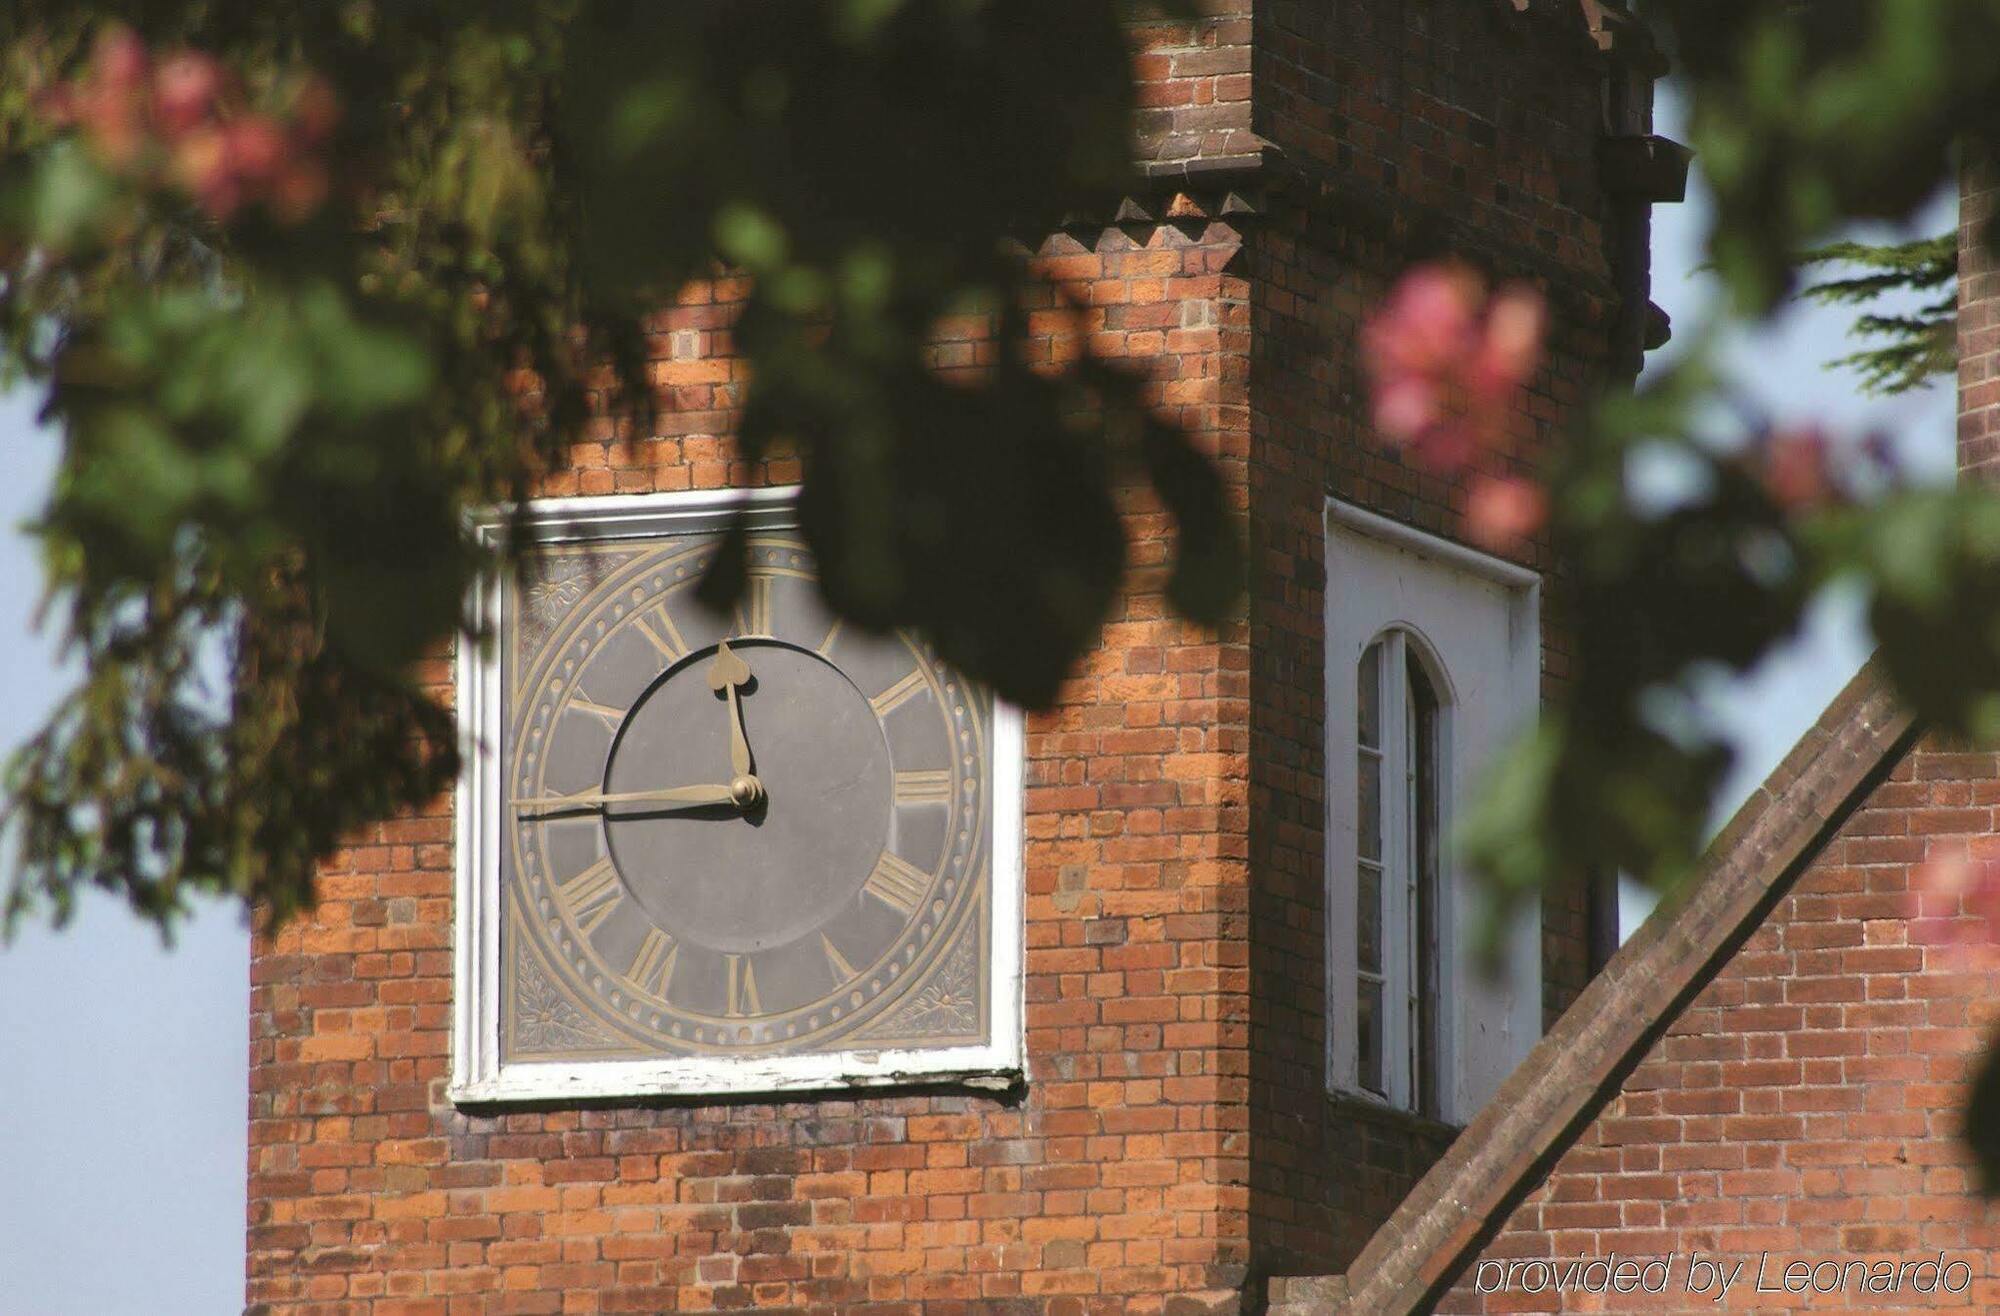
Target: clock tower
759, 962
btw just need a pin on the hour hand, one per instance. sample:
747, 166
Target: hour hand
583, 801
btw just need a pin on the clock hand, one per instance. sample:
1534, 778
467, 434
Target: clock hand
688, 795
728, 671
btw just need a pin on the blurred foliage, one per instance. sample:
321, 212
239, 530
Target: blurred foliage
1806, 118
1623, 779
1918, 343
287, 349
1814, 114
305, 283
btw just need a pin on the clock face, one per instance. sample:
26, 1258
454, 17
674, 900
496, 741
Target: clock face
762, 833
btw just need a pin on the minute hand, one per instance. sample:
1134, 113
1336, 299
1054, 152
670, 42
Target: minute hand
725, 674
598, 799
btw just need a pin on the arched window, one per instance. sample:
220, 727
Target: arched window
1399, 811
1433, 664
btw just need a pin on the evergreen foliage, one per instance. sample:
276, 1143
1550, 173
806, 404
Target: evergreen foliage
1914, 345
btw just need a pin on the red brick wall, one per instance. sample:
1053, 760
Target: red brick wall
1408, 131
1116, 1180
1193, 80
1121, 1178
1806, 1104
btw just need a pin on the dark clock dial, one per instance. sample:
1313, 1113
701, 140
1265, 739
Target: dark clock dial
753, 832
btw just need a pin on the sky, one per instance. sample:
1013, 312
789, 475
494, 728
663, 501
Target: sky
124, 1082
123, 1075
1782, 367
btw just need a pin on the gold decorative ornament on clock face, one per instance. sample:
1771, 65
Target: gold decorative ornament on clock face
741, 852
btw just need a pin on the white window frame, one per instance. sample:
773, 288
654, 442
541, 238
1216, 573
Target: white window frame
1341, 887
478, 1076
1401, 929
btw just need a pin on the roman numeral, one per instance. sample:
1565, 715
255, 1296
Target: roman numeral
898, 694
923, 787
832, 634
610, 716
897, 884
653, 967
753, 612
842, 970
592, 895
660, 632
742, 987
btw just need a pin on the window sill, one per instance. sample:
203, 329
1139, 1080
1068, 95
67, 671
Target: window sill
1379, 1113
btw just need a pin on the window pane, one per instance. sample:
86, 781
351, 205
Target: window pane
1369, 696
1423, 771
1424, 841
1367, 1034
1368, 805
1368, 918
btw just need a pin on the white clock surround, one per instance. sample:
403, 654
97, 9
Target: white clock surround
478, 1073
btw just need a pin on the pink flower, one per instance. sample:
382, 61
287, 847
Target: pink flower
1405, 406
1503, 512
1446, 446
110, 103
1798, 468
255, 147
201, 165
1427, 324
1511, 347
177, 125
185, 91
1444, 362
1954, 883
120, 62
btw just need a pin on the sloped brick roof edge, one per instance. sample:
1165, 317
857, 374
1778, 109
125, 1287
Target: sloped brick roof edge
1575, 1070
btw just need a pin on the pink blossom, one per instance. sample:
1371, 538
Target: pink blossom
255, 147
1955, 882
1446, 446
1503, 512
113, 125
120, 62
185, 91
1797, 467
1405, 406
1445, 360
1427, 325
1511, 347
201, 164
177, 125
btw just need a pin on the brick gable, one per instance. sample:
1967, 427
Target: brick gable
1805, 1107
